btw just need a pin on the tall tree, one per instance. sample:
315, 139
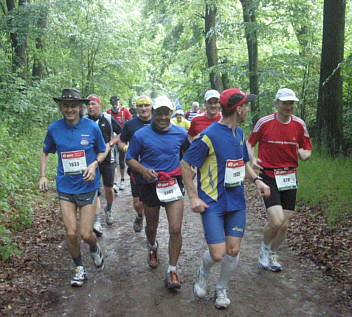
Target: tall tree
210, 45
249, 18
329, 114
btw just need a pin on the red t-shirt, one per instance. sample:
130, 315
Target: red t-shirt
278, 141
122, 116
200, 123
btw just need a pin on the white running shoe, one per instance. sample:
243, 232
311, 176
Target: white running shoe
263, 258
221, 301
79, 277
115, 188
122, 184
98, 258
97, 228
201, 284
108, 216
274, 265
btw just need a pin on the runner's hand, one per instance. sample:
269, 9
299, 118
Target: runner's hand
198, 205
89, 173
257, 163
43, 183
149, 175
263, 190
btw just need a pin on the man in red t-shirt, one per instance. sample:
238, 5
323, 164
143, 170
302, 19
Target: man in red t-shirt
211, 115
121, 115
283, 139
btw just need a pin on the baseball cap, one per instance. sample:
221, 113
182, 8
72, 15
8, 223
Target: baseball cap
179, 111
162, 101
285, 94
233, 97
212, 93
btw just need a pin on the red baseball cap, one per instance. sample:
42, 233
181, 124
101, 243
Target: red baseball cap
232, 98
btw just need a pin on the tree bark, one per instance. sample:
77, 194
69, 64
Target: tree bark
329, 113
210, 46
249, 18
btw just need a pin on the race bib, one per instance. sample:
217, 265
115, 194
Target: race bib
74, 163
234, 173
168, 191
285, 179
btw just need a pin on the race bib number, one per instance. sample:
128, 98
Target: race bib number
285, 179
74, 163
234, 173
168, 191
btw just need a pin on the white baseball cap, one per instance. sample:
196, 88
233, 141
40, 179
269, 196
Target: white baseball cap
162, 101
285, 94
212, 93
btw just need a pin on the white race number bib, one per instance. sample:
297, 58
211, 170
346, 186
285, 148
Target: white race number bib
74, 163
168, 190
234, 173
285, 179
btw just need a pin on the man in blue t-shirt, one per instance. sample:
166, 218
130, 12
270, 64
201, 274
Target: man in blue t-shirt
144, 110
154, 156
221, 156
80, 147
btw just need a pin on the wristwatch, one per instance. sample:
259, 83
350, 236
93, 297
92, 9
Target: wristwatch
257, 178
110, 143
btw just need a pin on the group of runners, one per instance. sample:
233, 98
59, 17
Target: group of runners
163, 159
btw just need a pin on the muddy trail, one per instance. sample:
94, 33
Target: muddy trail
128, 287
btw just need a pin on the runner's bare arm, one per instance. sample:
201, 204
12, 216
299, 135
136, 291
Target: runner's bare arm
148, 174
89, 173
256, 162
263, 190
197, 204
43, 181
304, 155
115, 140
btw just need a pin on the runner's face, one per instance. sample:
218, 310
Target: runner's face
70, 110
285, 108
117, 106
144, 112
213, 107
179, 117
162, 117
243, 112
93, 109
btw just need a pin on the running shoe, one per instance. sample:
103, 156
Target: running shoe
201, 284
274, 265
122, 184
98, 258
79, 277
115, 188
153, 256
97, 228
221, 299
263, 258
108, 216
138, 224
172, 281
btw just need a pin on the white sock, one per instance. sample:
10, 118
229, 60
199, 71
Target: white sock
265, 246
207, 262
97, 218
153, 247
171, 268
228, 266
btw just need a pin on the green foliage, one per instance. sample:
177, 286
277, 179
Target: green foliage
326, 183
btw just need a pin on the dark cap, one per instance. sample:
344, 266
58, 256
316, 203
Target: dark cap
71, 94
114, 100
233, 98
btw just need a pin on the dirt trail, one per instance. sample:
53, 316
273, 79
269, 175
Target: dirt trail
128, 287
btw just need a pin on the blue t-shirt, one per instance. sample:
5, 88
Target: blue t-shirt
85, 135
209, 153
160, 152
130, 127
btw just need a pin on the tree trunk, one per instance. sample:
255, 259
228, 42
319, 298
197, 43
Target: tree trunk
329, 113
249, 18
38, 66
210, 46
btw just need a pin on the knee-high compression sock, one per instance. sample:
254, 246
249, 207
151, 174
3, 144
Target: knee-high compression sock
207, 262
228, 266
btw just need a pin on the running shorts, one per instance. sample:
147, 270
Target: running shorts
107, 171
122, 159
148, 193
80, 200
285, 198
220, 224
